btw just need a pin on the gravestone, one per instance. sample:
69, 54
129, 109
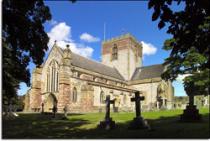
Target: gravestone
65, 110
54, 110
191, 113
115, 108
108, 123
138, 122
100, 110
42, 108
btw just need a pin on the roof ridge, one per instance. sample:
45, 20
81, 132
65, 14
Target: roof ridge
92, 60
150, 66
87, 58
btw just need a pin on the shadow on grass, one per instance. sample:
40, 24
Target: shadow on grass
164, 127
36, 126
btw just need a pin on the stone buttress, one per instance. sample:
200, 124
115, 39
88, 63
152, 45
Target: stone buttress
64, 96
35, 92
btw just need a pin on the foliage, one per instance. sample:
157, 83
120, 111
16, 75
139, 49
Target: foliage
24, 40
198, 83
189, 45
181, 99
200, 100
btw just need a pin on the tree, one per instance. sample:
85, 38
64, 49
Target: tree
24, 40
189, 45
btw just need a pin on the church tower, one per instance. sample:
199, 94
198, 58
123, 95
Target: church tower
123, 53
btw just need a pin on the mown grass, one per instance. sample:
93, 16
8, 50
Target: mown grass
164, 124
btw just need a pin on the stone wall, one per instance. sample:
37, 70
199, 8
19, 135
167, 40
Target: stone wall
87, 97
149, 91
122, 59
129, 54
54, 55
35, 91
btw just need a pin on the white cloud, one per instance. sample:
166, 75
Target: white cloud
181, 77
61, 32
88, 38
148, 49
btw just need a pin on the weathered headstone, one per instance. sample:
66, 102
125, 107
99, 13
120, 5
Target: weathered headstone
108, 123
100, 110
116, 104
65, 110
54, 110
42, 108
138, 122
191, 113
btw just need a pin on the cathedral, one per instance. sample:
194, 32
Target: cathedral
67, 79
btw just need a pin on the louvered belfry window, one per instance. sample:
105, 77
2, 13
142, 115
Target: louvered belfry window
114, 52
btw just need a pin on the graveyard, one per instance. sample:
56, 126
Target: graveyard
105, 70
164, 124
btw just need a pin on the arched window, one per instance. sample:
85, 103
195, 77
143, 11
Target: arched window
114, 52
74, 95
102, 97
52, 77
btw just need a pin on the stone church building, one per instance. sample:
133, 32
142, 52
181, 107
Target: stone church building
81, 84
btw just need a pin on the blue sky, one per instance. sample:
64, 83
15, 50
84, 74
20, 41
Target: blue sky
82, 25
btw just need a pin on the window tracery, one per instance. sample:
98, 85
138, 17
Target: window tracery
52, 77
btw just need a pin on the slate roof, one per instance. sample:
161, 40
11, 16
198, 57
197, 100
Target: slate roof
94, 66
140, 73
148, 72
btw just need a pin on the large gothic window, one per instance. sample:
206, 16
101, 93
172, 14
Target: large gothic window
114, 52
102, 97
52, 77
74, 95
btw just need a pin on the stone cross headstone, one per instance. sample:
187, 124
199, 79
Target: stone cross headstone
138, 122
137, 99
107, 123
108, 102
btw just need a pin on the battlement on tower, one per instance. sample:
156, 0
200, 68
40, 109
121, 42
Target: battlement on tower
123, 36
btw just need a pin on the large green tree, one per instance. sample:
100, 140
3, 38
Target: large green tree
190, 43
23, 40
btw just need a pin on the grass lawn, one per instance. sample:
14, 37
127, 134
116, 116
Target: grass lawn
165, 124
